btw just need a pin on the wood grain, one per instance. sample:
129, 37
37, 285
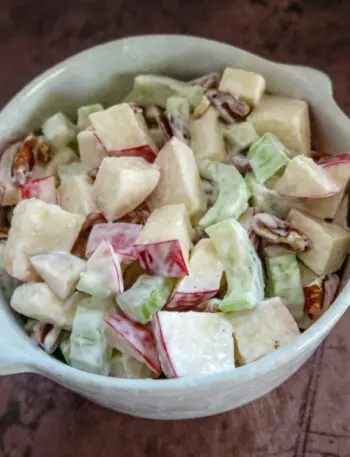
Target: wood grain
310, 414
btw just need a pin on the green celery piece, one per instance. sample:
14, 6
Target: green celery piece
241, 135
178, 106
233, 196
147, 296
89, 350
156, 89
284, 280
65, 350
267, 156
59, 130
244, 275
269, 201
84, 112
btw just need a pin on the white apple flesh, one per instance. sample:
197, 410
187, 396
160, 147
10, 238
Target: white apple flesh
60, 270
203, 282
193, 343
133, 339
163, 244
102, 276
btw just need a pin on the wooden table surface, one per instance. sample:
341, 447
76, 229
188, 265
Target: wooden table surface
310, 414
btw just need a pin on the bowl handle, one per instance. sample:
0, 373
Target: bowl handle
313, 76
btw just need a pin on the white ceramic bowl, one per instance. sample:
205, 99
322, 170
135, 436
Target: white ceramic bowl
104, 73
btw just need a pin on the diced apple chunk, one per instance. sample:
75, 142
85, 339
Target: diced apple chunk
92, 151
193, 343
120, 127
133, 339
121, 235
38, 301
75, 195
38, 227
303, 178
122, 184
179, 179
164, 243
203, 281
263, 330
329, 243
102, 276
341, 217
60, 270
43, 188
286, 118
207, 138
245, 85
337, 168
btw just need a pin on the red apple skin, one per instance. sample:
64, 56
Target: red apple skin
42, 188
121, 235
165, 360
335, 160
162, 259
145, 151
185, 301
137, 338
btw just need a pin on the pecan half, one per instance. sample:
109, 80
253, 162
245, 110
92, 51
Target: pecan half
230, 108
91, 220
156, 117
319, 295
240, 161
314, 295
4, 233
210, 81
24, 161
179, 128
41, 150
277, 231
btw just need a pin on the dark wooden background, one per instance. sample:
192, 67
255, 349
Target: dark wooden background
310, 414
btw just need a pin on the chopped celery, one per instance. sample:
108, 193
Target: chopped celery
284, 280
156, 89
233, 195
59, 130
267, 156
125, 366
241, 135
89, 350
147, 296
245, 282
269, 201
178, 106
84, 112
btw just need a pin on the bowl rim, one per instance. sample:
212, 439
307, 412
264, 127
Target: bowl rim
51, 367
